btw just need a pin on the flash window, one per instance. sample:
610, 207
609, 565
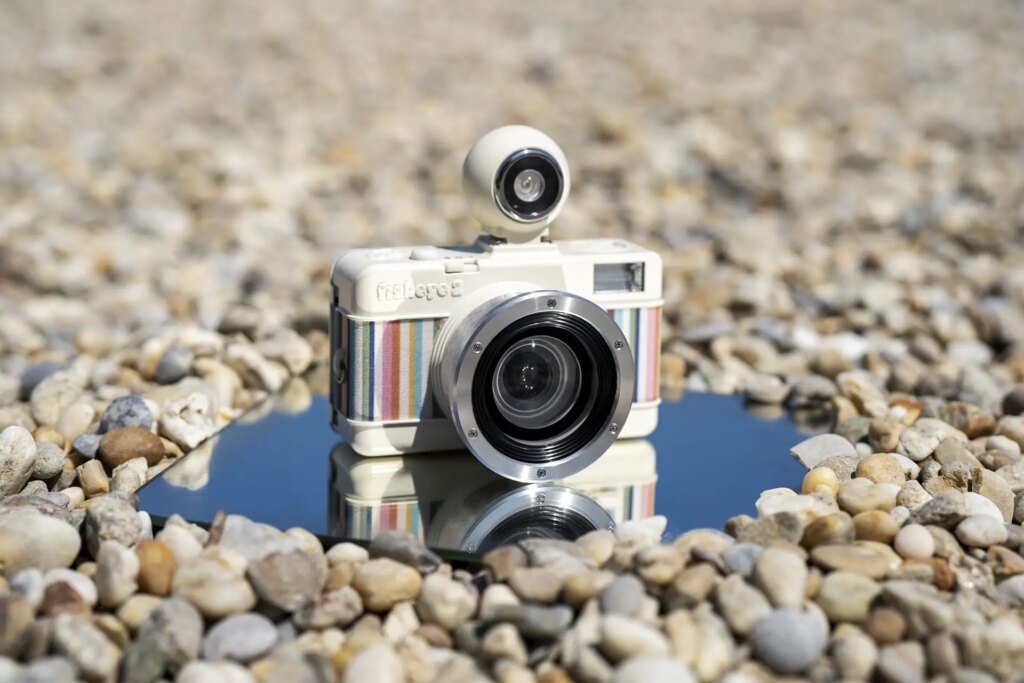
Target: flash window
618, 277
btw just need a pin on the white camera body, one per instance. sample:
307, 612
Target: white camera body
421, 337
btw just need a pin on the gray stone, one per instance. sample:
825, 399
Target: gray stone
925, 609
49, 461
339, 608
405, 548
87, 444
902, 663
85, 645
287, 580
176, 629
782, 576
47, 670
739, 558
945, 510
110, 518
34, 375
624, 595
740, 604
533, 621
814, 451
126, 411
174, 364
789, 641
240, 638
981, 531
17, 459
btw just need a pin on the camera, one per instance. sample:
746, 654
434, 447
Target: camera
453, 503
533, 354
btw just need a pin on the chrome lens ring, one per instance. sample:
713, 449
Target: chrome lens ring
595, 420
536, 511
528, 185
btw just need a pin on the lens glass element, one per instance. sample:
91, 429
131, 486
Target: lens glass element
536, 382
529, 185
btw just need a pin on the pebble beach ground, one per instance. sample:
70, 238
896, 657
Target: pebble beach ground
838, 192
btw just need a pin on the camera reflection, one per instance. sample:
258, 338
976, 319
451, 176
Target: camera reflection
452, 502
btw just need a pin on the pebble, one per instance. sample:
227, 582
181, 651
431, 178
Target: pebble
845, 596
339, 608
536, 622
117, 572
861, 495
376, 664
1013, 401
383, 582
658, 564
976, 504
623, 595
174, 364
857, 559
93, 478
835, 528
75, 419
125, 412
215, 583
945, 510
20, 531
134, 611
875, 525
287, 348
818, 478
287, 579
536, 584
622, 637
53, 395
788, 641
120, 445
902, 663
652, 669
49, 461
855, 655
81, 583
446, 602
240, 638
814, 451
740, 604
94, 656
213, 672
881, 468
87, 445
181, 543
17, 459
188, 421
916, 445
111, 519
31, 378
502, 641
981, 531
501, 562
782, 576
175, 628
578, 588
914, 542
912, 495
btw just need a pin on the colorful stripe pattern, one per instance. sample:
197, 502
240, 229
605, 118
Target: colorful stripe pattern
389, 368
642, 327
624, 503
365, 521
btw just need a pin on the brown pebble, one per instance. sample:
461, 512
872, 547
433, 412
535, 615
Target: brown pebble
121, 445
943, 576
156, 567
875, 525
836, 527
886, 625
435, 635
93, 478
60, 598
503, 561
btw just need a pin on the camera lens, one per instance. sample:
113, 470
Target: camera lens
529, 185
541, 521
537, 381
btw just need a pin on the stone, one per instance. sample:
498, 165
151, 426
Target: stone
767, 389
875, 525
87, 445
597, 545
111, 519
117, 571
981, 531
658, 564
945, 510
881, 468
240, 638
809, 507
914, 542
502, 641
858, 386
93, 478
622, 637
175, 628
79, 582
916, 445
376, 664
857, 559
912, 495
902, 663
446, 602
1013, 401
855, 655
820, 478
17, 459
861, 495
788, 641
996, 489
174, 364
976, 504
383, 582
30, 379
835, 528
213, 672
924, 609
215, 583
845, 596
578, 588
181, 543
188, 421
534, 622
694, 584
814, 451
782, 576
287, 580
287, 348
126, 412
403, 547
740, 604
884, 434
118, 446
157, 566
94, 656
782, 526
20, 531
134, 611
501, 562
536, 584
53, 395
339, 608
843, 465
623, 595
647, 669
740, 558
49, 461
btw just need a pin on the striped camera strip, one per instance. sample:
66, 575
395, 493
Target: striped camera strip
389, 363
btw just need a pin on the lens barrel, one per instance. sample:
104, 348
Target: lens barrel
528, 185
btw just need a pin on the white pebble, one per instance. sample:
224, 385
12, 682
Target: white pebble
914, 542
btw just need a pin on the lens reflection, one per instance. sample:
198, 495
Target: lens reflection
537, 381
528, 185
